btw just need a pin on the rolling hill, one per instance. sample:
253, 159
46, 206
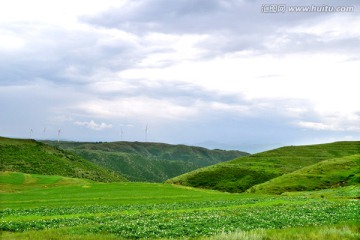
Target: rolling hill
145, 161
240, 174
33, 157
335, 172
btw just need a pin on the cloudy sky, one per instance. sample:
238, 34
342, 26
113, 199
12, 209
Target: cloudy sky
216, 73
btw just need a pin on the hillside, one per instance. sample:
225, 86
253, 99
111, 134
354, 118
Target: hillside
16, 181
240, 174
33, 157
144, 161
326, 174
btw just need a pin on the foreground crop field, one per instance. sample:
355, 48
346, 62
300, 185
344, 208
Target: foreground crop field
45, 209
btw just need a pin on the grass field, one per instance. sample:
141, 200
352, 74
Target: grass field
53, 207
240, 174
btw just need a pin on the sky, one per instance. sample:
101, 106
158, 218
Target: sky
230, 74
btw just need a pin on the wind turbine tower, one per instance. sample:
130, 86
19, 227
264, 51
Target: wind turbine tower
121, 134
59, 131
31, 132
146, 132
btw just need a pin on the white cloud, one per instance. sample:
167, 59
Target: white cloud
57, 12
331, 28
135, 107
336, 123
318, 126
10, 42
93, 125
178, 62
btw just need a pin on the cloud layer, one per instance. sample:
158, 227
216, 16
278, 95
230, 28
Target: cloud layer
93, 125
194, 71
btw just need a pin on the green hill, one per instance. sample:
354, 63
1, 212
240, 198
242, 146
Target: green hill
326, 174
240, 174
145, 161
33, 157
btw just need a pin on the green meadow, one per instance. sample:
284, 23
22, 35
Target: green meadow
297, 192
54, 207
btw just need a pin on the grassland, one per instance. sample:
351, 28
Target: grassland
54, 206
146, 161
50, 207
240, 174
30, 156
343, 171
14, 181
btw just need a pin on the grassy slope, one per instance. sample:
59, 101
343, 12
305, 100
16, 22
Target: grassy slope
16, 181
93, 210
29, 156
326, 174
240, 174
21, 190
153, 162
348, 192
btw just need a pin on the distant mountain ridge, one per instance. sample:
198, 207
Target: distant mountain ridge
240, 174
147, 161
33, 157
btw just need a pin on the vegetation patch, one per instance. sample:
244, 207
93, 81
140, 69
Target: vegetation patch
147, 161
30, 156
332, 232
229, 178
182, 219
336, 172
262, 167
145, 210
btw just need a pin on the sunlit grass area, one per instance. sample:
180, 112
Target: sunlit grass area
83, 210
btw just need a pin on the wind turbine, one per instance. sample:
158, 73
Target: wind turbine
31, 132
121, 134
59, 131
44, 132
146, 132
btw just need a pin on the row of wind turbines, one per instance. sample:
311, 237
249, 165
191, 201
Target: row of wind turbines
59, 132
44, 131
